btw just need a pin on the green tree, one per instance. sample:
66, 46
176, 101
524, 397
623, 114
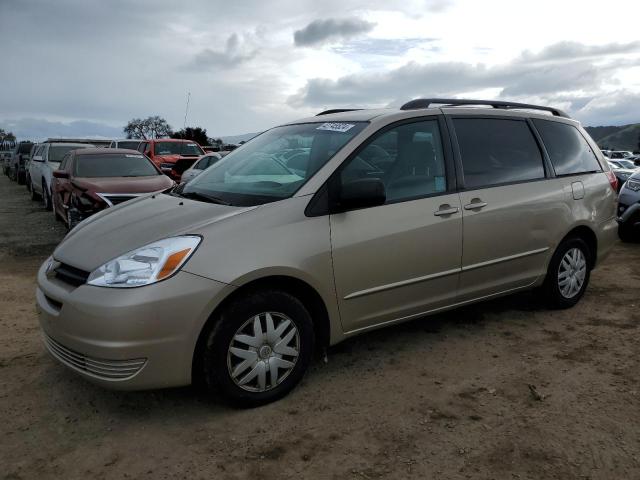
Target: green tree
196, 134
146, 128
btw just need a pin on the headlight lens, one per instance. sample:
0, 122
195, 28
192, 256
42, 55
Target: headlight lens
146, 265
633, 185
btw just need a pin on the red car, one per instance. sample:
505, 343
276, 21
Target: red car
172, 156
92, 179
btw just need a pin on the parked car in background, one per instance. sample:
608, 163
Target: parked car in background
27, 180
616, 154
622, 174
172, 156
46, 159
606, 153
626, 163
95, 142
92, 179
197, 168
127, 143
19, 158
629, 209
5, 158
237, 276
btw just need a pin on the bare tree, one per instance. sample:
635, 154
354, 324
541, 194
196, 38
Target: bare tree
150, 127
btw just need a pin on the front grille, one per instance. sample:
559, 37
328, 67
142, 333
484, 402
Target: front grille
106, 369
71, 275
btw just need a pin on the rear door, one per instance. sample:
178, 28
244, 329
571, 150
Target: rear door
36, 167
401, 259
512, 208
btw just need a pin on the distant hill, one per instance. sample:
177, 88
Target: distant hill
624, 137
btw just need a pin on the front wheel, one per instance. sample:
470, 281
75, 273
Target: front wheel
258, 348
46, 197
568, 274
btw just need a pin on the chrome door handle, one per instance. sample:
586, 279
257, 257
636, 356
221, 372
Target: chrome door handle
475, 205
446, 211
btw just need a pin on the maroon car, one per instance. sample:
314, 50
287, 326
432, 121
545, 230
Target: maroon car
92, 179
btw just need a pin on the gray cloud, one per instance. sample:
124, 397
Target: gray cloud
236, 51
331, 29
544, 75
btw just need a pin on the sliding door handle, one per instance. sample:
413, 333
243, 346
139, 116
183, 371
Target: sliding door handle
446, 210
476, 204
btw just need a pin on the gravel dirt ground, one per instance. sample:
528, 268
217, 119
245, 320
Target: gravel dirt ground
500, 390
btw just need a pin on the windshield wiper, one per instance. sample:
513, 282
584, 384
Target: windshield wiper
202, 197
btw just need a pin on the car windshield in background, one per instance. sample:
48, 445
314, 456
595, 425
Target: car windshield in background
25, 147
113, 165
274, 165
56, 152
177, 148
627, 164
132, 145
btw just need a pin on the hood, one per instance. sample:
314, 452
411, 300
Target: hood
124, 184
123, 228
175, 158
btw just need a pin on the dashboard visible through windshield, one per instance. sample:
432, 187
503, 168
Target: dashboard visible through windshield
273, 165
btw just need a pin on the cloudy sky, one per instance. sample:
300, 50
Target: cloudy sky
85, 67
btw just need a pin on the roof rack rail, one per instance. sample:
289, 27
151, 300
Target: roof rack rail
338, 110
428, 102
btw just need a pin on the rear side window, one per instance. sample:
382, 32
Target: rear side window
497, 151
567, 148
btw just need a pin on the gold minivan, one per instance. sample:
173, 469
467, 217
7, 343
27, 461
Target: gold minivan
324, 228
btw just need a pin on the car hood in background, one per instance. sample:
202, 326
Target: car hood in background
124, 184
175, 158
118, 230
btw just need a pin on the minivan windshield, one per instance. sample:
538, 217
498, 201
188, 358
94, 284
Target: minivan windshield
273, 165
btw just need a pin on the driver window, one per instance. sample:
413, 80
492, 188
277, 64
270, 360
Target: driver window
408, 159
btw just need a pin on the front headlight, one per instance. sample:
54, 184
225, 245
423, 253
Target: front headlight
633, 185
146, 265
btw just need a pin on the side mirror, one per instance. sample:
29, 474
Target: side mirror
60, 174
362, 193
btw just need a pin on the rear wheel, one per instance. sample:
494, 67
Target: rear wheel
627, 233
258, 348
568, 274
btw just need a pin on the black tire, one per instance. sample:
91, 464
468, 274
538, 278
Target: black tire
27, 183
550, 291
46, 197
219, 336
34, 194
20, 178
627, 233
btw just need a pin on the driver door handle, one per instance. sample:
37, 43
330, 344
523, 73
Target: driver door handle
446, 210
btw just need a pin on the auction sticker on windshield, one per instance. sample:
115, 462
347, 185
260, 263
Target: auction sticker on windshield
336, 127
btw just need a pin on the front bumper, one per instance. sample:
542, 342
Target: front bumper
127, 339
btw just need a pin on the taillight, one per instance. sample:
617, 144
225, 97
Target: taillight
613, 180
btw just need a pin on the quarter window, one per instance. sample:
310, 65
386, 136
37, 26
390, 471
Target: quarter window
408, 159
497, 151
568, 150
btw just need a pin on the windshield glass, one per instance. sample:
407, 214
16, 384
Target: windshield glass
130, 144
113, 165
627, 164
56, 152
274, 165
177, 148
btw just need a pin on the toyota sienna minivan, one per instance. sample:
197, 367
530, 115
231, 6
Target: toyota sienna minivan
322, 229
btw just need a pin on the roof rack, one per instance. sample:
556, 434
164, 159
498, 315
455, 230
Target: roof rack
338, 110
428, 102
